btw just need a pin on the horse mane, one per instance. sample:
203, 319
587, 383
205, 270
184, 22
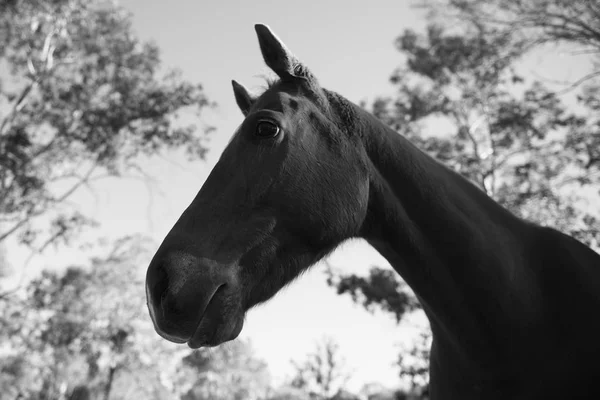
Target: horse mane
344, 110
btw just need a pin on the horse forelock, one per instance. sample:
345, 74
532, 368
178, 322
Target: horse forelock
337, 108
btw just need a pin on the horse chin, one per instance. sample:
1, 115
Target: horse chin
222, 321
211, 336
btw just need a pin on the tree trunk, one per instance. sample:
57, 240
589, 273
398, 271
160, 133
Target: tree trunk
108, 387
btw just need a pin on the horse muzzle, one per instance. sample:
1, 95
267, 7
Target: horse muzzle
192, 299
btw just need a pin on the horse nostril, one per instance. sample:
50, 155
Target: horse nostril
179, 287
159, 285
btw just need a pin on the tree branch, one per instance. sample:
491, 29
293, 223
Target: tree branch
575, 178
83, 181
579, 82
31, 214
18, 106
18, 225
108, 387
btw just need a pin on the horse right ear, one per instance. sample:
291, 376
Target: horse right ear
278, 57
275, 53
243, 98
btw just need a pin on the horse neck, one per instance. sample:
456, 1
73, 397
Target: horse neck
455, 247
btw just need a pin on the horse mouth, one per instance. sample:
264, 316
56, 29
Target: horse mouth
216, 325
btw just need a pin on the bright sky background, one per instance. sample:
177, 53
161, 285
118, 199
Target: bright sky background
348, 45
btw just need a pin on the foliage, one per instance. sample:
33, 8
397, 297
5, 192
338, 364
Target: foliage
287, 392
80, 98
4, 267
414, 362
574, 24
86, 332
323, 374
461, 98
539, 21
230, 372
381, 393
381, 288
80, 329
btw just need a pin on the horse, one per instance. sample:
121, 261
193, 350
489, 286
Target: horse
513, 306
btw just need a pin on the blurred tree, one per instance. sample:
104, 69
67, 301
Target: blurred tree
413, 361
80, 98
4, 266
287, 392
230, 372
536, 22
376, 391
461, 98
85, 332
382, 288
323, 374
82, 331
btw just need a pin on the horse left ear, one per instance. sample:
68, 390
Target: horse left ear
243, 98
276, 54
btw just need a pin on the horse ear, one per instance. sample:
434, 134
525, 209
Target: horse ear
276, 55
243, 98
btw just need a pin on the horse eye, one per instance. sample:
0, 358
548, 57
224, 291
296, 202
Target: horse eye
266, 129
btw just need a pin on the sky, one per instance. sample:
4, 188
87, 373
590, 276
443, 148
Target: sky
349, 47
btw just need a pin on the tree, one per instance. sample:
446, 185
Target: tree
4, 267
82, 331
85, 332
80, 98
231, 372
537, 23
323, 374
378, 392
414, 362
461, 97
287, 392
382, 288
